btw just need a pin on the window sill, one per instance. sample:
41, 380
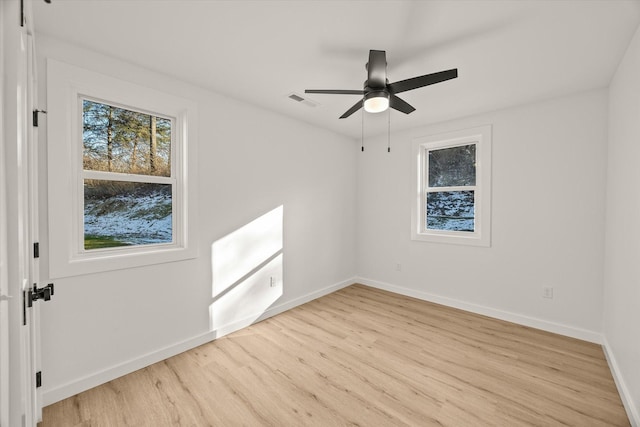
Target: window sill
452, 238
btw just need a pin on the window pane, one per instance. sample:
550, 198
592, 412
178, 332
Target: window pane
119, 140
453, 166
451, 210
118, 213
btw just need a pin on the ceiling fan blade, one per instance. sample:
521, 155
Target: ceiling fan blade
426, 80
377, 69
350, 111
400, 105
335, 91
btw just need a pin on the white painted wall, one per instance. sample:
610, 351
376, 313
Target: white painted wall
622, 269
547, 218
250, 162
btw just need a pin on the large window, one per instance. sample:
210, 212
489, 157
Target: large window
120, 156
128, 181
452, 187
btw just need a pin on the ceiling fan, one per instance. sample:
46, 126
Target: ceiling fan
378, 94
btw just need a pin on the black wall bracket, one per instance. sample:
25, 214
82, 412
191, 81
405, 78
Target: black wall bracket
35, 116
36, 294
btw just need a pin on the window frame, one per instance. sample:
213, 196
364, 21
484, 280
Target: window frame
67, 86
175, 155
481, 236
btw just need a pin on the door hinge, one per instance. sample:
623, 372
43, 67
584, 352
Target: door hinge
38, 379
36, 250
35, 117
36, 294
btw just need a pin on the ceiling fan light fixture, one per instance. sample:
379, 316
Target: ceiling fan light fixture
376, 101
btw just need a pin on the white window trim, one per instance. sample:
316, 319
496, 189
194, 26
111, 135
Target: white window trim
481, 236
66, 86
176, 171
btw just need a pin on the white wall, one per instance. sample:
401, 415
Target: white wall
250, 162
622, 267
547, 218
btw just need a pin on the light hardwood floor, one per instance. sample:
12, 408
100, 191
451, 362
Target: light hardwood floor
363, 357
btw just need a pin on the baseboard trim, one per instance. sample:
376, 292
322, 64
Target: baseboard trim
280, 308
625, 396
58, 393
72, 388
520, 319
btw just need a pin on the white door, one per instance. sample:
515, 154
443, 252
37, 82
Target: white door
20, 274
19, 400
33, 313
23, 196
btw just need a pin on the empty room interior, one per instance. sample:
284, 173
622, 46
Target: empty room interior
288, 213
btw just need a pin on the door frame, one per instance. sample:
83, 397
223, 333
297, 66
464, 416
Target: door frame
20, 406
5, 296
33, 217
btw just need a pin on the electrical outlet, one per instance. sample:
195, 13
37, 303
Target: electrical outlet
272, 282
398, 267
547, 292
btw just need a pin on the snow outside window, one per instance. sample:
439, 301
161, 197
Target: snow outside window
123, 148
452, 187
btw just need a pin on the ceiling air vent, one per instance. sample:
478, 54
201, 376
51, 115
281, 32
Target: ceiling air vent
301, 99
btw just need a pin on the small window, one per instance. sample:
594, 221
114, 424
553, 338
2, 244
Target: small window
452, 176
451, 188
122, 163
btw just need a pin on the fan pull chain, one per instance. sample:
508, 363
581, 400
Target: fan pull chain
362, 133
389, 131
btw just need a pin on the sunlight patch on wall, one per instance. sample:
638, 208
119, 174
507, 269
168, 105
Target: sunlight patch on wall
247, 271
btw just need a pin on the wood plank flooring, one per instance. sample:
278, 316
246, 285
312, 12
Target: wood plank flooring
363, 357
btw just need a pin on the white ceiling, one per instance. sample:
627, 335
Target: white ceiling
507, 52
